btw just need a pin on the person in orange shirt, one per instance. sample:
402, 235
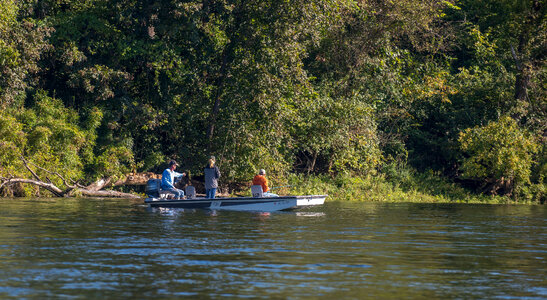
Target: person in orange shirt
260, 179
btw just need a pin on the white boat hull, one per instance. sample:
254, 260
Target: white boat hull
264, 204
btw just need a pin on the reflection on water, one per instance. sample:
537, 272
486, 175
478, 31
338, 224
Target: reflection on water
309, 214
65, 248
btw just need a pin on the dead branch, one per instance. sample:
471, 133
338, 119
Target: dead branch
54, 173
105, 193
129, 179
93, 190
48, 186
99, 184
29, 169
69, 191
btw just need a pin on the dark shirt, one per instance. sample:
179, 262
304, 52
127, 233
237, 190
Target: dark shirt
211, 177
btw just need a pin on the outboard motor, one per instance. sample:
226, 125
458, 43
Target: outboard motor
153, 188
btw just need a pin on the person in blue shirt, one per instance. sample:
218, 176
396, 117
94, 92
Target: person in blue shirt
167, 180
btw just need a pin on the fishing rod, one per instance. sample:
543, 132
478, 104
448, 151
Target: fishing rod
278, 187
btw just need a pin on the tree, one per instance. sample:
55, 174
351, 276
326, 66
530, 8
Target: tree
499, 155
518, 32
46, 143
22, 43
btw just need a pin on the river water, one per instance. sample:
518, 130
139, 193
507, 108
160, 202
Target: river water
91, 248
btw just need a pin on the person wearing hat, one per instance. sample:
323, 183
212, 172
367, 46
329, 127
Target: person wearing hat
212, 174
167, 179
260, 179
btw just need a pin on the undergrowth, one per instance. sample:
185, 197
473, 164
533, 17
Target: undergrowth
407, 186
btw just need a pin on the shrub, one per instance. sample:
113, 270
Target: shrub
499, 156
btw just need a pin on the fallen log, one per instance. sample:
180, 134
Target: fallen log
129, 179
99, 184
70, 191
93, 190
48, 186
137, 178
105, 193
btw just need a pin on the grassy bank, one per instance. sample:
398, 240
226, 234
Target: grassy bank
405, 187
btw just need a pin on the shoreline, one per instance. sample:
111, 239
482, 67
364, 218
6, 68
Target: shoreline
414, 188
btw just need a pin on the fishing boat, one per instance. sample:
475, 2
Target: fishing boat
265, 204
258, 202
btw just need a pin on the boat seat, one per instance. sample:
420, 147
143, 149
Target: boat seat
256, 191
190, 192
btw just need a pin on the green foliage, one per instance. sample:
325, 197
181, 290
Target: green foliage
114, 162
22, 43
8, 14
333, 88
499, 153
418, 187
46, 135
12, 139
49, 137
98, 82
344, 136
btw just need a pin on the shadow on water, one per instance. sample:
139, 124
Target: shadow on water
91, 248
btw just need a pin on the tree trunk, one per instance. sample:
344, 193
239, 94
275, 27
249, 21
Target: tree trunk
522, 58
522, 84
99, 184
107, 193
93, 190
129, 179
69, 191
218, 95
226, 60
48, 186
311, 165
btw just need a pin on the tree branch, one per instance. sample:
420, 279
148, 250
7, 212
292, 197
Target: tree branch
54, 173
29, 169
48, 186
92, 190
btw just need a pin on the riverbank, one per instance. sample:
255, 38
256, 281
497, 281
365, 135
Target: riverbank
407, 187
402, 185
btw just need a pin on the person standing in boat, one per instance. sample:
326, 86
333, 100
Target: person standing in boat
167, 179
260, 179
212, 174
